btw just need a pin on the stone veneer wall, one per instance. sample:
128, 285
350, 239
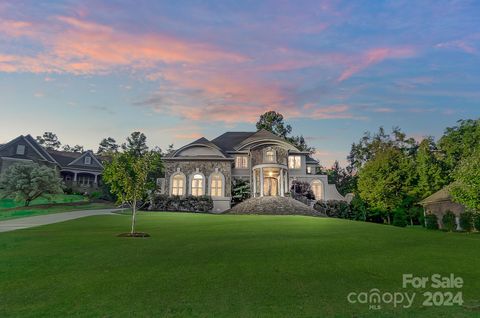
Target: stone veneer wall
189, 167
281, 155
440, 208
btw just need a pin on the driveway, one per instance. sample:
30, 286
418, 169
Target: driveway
33, 221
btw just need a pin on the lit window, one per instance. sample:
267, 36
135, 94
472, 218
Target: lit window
294, 162
88, 160
177, 185
241, 162
317, 189
197, 185
309, 170
216, 185
270, 155
20, 149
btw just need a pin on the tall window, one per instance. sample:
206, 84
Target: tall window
270, 155
241, 162
216, 185
88, 160
294, 162
309, 169
197, 185
178, 185
317, 189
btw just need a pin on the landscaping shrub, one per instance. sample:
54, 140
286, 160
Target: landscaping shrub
449, 222
302, 191
477, 221
185, 204
336, 209
466, 221
400, 218
240, 191
431, 222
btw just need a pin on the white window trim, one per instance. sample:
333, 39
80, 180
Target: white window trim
184, 182
322, 188
265, 157
190, 188
222, 178
294, 166
89, 160
244, 162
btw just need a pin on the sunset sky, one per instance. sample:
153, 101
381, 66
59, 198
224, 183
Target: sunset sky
179, 70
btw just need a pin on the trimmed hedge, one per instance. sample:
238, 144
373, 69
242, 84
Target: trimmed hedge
188, 203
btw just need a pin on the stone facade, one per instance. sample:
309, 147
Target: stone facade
190, 167
258, 155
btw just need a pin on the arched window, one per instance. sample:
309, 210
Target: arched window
317, 188
178, 184
269, 155
197, 185
216, 185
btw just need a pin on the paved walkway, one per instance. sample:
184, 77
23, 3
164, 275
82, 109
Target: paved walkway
33, 221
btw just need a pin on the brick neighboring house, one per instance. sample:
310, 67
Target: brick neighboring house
269, 163
439, 203
80, 171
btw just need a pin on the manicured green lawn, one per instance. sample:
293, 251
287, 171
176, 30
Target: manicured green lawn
60, 198
198, 265
7, 214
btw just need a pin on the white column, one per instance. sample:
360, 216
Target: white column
74, 176
254, 184
261, 182
282, 184
95, 180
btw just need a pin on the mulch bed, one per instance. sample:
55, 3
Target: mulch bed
136, 234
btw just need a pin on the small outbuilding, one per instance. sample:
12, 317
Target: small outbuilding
440, 203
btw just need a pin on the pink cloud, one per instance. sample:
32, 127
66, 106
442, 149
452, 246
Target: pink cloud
85, 47
375, 56
383, 110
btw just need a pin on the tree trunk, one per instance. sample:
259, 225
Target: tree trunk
134, 212
411, 221
27, 202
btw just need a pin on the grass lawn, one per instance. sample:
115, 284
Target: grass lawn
58, 198
198, 265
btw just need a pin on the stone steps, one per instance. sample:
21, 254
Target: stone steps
273, 206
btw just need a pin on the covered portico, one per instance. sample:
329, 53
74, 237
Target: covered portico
80, 178
269, 180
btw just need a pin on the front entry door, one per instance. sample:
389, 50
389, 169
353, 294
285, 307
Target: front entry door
270, 186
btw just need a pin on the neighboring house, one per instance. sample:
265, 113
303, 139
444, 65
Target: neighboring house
80, 171
269, 163
440, 203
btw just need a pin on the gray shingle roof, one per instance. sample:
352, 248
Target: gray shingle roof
230, 139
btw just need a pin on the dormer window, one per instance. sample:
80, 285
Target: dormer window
20, 149
269, 155
88, 160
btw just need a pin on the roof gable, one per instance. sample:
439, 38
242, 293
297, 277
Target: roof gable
33, 151
201, 147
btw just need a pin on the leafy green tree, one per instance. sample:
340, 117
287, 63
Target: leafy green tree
466, 221
399, 218
300, 143
431, 173
49, 140
136, 144
130, 178
371, 144
274, 122
460, 141
240, 190
466, 187
76, 148
343, 179
29, 181
384, 181
107, 146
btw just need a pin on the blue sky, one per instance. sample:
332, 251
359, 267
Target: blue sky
180, 70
